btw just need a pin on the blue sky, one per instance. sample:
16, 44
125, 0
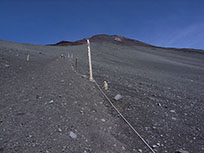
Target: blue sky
169, 23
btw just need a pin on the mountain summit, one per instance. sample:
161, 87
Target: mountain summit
120, 40
104, 38
46, 106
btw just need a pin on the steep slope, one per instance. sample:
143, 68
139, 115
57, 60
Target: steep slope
46, 107
162, 91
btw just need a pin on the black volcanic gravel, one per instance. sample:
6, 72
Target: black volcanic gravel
46, 107
162, 89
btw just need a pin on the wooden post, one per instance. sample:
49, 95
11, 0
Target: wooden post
28, 57
90, 65
105, 85
76, 64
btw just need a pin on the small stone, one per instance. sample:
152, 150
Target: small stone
117, 97
103, 120
181, 151
140, 150
51, 101
158, 104
64, 147
59, 129
146, 128
72, 135
33, 144
6, 65
173, 118
172, 111
154, 146
93, 110
82, 112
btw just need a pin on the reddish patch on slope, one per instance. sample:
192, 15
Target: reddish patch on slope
104, 38
120, 40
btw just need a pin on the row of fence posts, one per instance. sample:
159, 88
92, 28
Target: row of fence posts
90, 65
106, 88
76, 62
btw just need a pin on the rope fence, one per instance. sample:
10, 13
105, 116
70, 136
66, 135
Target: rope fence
115, 108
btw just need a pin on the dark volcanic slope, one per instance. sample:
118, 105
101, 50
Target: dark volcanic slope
42, 100
163, 91
120, 40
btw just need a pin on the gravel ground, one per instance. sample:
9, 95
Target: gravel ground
162, 89
46, 107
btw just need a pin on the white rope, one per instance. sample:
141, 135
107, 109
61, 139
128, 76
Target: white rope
137, 133
143, 140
